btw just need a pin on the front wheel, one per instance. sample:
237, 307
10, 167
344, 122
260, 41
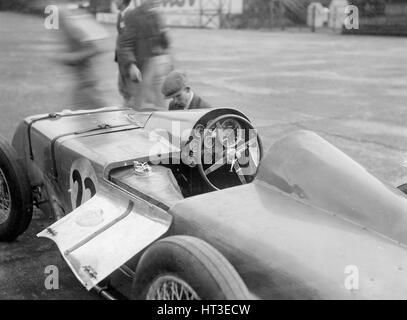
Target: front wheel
186, 268
15, 194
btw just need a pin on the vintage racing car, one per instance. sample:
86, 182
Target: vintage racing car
185, 205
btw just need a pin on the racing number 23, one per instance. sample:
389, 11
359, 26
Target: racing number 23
87, 184
83, 182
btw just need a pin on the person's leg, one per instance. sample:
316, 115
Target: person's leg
156, 71
86, 94
162, 68
148, 76
122, 87
87, 91
87, 98
133, 94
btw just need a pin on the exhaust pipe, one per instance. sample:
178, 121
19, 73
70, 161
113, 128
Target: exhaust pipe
104, 293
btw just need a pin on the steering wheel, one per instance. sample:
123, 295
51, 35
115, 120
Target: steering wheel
231, 148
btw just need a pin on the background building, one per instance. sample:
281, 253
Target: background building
375, 16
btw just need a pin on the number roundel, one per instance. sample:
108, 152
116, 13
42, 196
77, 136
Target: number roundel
82, 182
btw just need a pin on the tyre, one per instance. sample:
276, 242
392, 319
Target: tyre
15, 194
186, 268
403, 188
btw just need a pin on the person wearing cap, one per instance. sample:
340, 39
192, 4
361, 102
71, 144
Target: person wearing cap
176, 87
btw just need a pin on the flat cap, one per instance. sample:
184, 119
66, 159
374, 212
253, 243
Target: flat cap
174, 83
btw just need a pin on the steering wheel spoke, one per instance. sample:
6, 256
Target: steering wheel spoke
218, 164
239, 173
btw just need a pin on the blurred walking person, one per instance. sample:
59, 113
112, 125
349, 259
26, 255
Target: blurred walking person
126, 91
85, 39
143, 56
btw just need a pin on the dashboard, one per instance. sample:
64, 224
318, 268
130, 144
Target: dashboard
225, 150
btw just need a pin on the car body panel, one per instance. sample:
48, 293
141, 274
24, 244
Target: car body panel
284, 248
310, 168
104, 233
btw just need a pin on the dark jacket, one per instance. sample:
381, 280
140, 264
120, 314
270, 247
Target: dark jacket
120, 29
143, 36
196, 103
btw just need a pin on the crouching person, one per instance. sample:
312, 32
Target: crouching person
176, 87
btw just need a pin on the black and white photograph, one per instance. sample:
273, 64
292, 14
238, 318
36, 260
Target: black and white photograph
223, 150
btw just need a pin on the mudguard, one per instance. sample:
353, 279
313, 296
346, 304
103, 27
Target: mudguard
104, 233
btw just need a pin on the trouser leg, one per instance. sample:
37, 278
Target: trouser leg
154, 75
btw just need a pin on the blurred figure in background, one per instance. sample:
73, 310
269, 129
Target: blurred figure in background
143, 56
131, 88
85, 39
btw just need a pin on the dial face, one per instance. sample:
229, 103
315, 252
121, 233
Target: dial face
194, 146
231, 132
199, 130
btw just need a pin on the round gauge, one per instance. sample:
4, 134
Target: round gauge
208, 141
194, 146
231, 132
199, 130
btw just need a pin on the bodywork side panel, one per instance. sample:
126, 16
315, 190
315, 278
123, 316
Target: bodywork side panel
309, 168
287, 249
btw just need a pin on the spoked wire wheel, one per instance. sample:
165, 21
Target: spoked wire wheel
5, 198
186, 268
15, 194
170, 287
